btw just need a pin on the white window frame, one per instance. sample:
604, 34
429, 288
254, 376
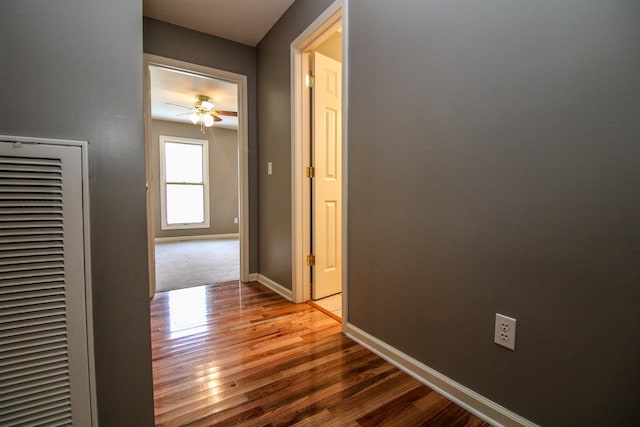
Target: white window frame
163, 182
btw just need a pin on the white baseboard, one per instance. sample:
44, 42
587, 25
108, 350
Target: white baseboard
466, 398
252, 277
275, 287
203, 237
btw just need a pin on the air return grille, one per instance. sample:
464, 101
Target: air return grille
34, 361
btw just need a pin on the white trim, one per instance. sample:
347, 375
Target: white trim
86, 227
84, 146
201, 237
312, 36
345, 163
149, 178
275, 287
46, 141
243, 140
463, 396
252, 277
204, 143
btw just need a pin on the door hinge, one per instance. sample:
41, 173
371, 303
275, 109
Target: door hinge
311, 260
309, 81
310, 172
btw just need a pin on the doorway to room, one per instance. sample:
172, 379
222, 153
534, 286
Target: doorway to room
326, 176
196, 159
318, 184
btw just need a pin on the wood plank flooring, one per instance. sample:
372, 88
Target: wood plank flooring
239, 354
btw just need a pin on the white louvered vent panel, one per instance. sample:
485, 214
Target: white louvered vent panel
34, 362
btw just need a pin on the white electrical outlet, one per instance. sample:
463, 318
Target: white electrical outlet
235, 220
505, 332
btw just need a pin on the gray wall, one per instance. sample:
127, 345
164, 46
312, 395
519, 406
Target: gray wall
274, 134
504, 178
171, 41
74, 71
223, 176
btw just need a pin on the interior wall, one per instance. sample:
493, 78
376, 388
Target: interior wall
332, 47
274, 134
503, 178
74, 71
171, 41
223, 177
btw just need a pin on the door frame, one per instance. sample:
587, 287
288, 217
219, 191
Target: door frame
243, 153
332, 19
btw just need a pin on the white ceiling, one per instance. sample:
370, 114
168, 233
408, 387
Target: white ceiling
243, 21
169, 87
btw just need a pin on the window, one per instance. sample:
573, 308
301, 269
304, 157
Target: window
184, 178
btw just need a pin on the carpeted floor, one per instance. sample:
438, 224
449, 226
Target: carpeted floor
197, 262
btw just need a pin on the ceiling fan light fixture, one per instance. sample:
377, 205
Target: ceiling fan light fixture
202, 113
208, 120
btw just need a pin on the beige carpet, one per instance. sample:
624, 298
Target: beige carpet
197, 262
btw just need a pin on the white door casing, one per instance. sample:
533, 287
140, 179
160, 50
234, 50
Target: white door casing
327, 182
320, 30
243, 151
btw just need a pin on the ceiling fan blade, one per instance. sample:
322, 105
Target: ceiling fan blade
216, 118
226, 113
178, 105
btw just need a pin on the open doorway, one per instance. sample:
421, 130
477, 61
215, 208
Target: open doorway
196, 154
318, 179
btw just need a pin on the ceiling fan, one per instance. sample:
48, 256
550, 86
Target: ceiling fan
202, 112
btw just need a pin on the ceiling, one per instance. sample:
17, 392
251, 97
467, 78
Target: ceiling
171, 87
243, 21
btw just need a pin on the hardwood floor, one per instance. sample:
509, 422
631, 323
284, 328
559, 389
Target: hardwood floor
239, 354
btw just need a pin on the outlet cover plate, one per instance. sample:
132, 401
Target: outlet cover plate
505, 331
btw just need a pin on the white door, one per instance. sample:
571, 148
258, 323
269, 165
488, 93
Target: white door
327, 183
